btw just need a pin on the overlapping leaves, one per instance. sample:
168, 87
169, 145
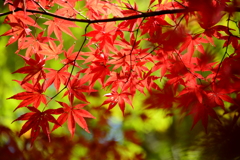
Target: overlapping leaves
176, 66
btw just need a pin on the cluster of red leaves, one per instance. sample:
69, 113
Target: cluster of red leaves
117, 58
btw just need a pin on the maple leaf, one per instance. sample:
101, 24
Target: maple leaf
33, 95
125, 60
58, 26
73, 114
208, 16
95, 8
68, 8
117, 80
71, 56
105, 35
33, 44
153, 25
19, 26
163, 64
201, 112
148, 81
98, 9
133, 83
97, 70
130, 12
205, 62
166, 5
95, 55
198, 106
161, 99
234, 40
219, 93
18, 29
214, 32
117, 98
37, 119
34, 70
46, 4
121, 59
192, 42
75, 88
23, 4
51, 50
56, 77
229, 70
125, 81
27, 20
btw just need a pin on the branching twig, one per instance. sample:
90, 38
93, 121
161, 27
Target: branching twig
74, 62
39, 4
134, 43
225, 50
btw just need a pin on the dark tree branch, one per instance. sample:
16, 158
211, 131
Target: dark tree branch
143, 15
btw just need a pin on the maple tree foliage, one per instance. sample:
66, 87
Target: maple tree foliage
166, 50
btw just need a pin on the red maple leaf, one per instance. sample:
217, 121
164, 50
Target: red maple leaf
99, 69
219, 93
105, 35
57, 77
130, 24
98, 9
117, 98
58, 26
73, 114
75, 88
201, 112
34, 70
234, 40
19, 26
192, 42
33, 95
161, 99
37, 119
51, 50
19, 29
68, 9
70, 56
33, 44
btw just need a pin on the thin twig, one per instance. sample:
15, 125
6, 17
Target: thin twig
134, 43
74, 62
225, 50
39, 4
